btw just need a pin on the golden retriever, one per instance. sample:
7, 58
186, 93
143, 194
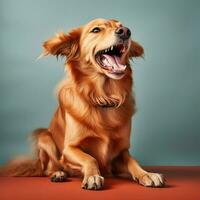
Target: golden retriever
89, 134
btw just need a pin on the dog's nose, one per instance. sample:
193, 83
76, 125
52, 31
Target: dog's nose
123, 33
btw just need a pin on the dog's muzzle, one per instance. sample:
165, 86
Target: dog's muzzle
123, 33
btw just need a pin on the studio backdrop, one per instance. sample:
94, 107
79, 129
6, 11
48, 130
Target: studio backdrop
166, 127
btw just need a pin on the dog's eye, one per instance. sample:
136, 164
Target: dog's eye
95, 30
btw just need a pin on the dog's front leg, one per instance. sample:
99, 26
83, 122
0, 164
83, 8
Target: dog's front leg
143, 177
92, 179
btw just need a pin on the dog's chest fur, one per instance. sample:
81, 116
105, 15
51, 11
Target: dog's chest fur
104, 145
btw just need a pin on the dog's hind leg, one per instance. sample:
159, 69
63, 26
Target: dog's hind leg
49, 156
45, 162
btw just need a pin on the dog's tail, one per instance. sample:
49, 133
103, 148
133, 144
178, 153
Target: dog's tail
45, 152
22, 167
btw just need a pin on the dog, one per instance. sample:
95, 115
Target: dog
89, 134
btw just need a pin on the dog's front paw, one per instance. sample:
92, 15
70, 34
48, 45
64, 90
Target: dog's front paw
151, 180
95, 182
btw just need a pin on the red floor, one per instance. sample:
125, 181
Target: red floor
182, 183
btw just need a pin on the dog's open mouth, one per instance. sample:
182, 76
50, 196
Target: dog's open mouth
110, 59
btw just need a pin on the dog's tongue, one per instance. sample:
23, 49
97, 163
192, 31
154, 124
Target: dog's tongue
113, 61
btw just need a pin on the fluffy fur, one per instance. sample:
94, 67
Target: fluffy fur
90, 130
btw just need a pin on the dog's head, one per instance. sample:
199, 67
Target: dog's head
104, 45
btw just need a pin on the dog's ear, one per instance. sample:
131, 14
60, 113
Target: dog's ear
136, 50
63, 44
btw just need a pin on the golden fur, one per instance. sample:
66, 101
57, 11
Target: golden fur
90, 130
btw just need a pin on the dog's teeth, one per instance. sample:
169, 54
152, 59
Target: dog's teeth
111, 48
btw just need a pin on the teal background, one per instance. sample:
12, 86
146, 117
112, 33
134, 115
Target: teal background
166, 128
